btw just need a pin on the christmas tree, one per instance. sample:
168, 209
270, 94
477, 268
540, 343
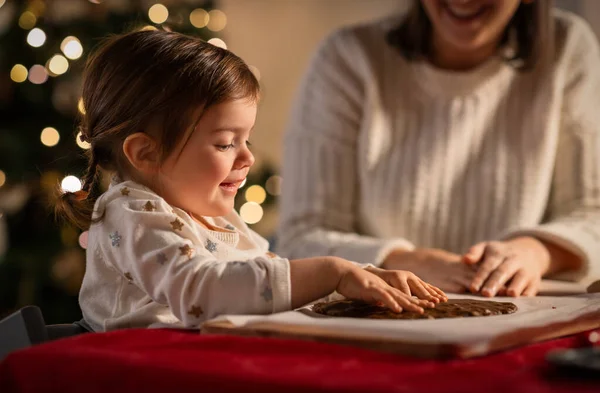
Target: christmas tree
44, 45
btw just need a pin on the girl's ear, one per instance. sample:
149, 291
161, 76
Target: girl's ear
142, 152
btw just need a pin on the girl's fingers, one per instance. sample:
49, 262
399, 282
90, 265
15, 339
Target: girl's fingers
383, 296
419, 290
437, 293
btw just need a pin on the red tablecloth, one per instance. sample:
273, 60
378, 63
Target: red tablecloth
178, 361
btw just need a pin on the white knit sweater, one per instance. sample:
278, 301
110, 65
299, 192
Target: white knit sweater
382, 152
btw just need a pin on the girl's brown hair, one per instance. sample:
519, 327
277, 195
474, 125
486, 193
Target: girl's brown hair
141, 79
531, 26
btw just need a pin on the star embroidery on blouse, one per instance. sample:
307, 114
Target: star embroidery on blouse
128, 277
125, 191
230, 227
267, 294
161, 258
186, 250
177, 224
115, 239
196, 311
210, 246
149, 207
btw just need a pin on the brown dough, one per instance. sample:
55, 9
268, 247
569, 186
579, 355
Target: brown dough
453, 308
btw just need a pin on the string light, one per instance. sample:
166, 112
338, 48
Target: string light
36, 37
27, 20
70, 184
199, 18
71, 47
158, 13
50, 136
2, 178
58, 65
273, 185
38, 74
256, 194
84, 145
148, 28
18, 73
217, 20
251, 212
218, 42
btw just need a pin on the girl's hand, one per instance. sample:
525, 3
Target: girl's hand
358, 283
516, 264
409, 284
440, 268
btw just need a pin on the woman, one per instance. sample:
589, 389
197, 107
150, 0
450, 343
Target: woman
461, 142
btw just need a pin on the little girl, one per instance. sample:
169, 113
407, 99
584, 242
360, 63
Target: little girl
170, 116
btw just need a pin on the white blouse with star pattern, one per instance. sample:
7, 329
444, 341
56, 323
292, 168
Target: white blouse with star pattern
152, 265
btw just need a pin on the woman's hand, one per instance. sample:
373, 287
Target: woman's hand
409, 284
358, 283
518, 264
440, 268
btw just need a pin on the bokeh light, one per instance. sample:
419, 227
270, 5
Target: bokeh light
84, 145
58, 65
38, 74
158, 13
218, 42
36, 37
18, 73
71, 47
27, 20
2, 178
50, 136
199, 18
70, 184
251, 212
256, 194
273, 185
217, 20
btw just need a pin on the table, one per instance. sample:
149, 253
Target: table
164, 360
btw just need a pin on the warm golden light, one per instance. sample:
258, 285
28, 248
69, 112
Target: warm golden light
70, 184
218, 42
2, 178
158, 13
27, 20
273, 185
217, 20
18, 73
71, 47
36, 37
38, 74
2, 3
80, 143
199, 18
50, 136
58, 65
251, 212
148, 28
80, 106
256, 194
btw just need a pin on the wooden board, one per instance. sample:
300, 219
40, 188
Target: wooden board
513, 339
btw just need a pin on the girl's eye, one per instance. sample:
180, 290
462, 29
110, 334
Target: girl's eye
224, 147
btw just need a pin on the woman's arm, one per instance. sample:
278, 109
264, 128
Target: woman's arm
320, 187
572, 233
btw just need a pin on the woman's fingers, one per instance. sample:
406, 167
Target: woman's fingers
532, 288
491, 261
474, 254
500, 276
517, 284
